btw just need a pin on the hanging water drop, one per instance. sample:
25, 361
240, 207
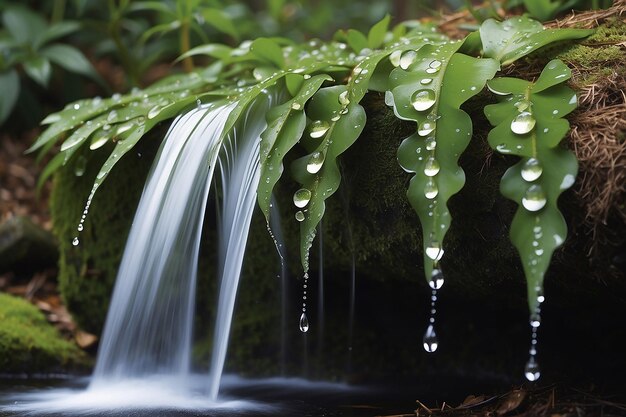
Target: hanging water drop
425, 128
319, 129
301, 197
430, 339
535, 320
389, 98
531, 170
304, 323
523, 123
299, 216
75, 241
436, 279
532, 371
81, 164
434, 251
315, 162
407, 59
540, 295
423, 99
535, 199
431, 167
430, 189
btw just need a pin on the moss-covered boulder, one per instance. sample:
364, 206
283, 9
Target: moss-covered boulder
29, 344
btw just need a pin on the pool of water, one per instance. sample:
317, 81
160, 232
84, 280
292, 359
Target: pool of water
238, 397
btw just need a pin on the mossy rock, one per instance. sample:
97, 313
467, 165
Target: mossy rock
29, 344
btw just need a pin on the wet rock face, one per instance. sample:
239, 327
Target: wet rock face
26, 247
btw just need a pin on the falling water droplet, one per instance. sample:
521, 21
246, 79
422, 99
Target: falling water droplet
80, 227
75, 241
531, 170
319, 128
535, 199
301, 197
299, 216
430, 339
425, 128
540, 295
407, 59
531, 370
304, 323
81, 164
315, 162
523, 123
436, 279
535, 320
430, 189
423, 99
431, 167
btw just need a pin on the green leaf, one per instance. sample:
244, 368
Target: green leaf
285, 124
23, 24
294, 82
336, 125
377, 33
517, 37
38, 69
356, 40
220, 21
55, 31
529, 123
214, 50
269, 51
71, 59
430, 92
10, 87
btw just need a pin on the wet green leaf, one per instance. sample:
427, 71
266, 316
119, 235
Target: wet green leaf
376, 35
530, 124
269, 51
356, 40
517, 37
10, 87
430, 92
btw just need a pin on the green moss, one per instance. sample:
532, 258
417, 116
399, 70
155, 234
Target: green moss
28, 343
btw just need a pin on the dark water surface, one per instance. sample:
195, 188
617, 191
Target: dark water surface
238, 397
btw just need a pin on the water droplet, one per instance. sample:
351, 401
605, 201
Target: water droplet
426, 128
304, 323
394, 58
436, 279
535, 199
430, 189
299, 216
531, 170
154, 112
431, 143
434, 64
301, 197
75, 241
523, 123
98, 143
568, 181
423, 99
80, 227
432, 70
296, 106
112, 116
434, 251
76, 106
116, 97
535, 320
407, 59
81, 164
343, 98
540, 295
426, 81
430, 339
315, 162
431, 167
319, 128
531, 371
389, 98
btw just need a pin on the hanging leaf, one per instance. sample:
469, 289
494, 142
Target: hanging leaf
430, 90
337, 123
529, 123
285, 124
517, 37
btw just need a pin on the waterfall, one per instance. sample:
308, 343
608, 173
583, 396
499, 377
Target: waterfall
148, 330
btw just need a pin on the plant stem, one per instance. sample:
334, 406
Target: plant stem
58, 11
185, 45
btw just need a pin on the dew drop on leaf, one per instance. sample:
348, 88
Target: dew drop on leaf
394, 58
423, 99
343, 98
299, 216
425, 128
315, 162
523, 123
319, 128
531, 170
431, 167
407, 59
431, 143
534, 199
430, 189
301, 197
